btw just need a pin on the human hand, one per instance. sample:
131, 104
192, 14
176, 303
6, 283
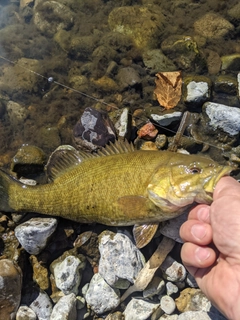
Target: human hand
211, 251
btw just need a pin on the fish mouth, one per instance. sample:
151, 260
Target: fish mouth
210, 186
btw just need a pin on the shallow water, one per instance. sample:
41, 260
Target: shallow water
49, 106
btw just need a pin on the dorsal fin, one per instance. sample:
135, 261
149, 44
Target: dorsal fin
117, 147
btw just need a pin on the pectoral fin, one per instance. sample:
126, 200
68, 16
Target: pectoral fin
144, 233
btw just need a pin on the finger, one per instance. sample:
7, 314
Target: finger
196, 232
201, 213
226, 186
194, 256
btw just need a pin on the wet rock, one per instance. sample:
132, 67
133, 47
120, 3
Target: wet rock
59, 17
234, 13
120, 260
40, 273
28, 159
49, 138
197, 90
155, 60
213, 61
25, 313
35, 233
161, 141
143, 24
17, 113
105, 83
138, 309
213, 26
224, 117
231, 62
147, 132
100, 296
155, 287
171, 227
67, 271
79, 82
65, 308
167, 304
171, 288
93, 130
173, 270
10, 288
225, 84
41, 305
192, 299
128, 77
123, 124
166, 119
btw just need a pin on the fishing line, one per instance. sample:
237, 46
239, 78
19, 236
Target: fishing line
51, 80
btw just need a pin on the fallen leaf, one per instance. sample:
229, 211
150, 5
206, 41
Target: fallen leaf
168, 88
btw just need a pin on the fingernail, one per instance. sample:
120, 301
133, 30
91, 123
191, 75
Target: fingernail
203, 214
198, 231
202, 254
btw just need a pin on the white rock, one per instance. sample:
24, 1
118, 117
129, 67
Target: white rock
100, 296
166, 119
224, 117
42, 306
65, 308
120, 259
138, 309
171, 288
25, 313
169, 317
194, 315
197, 91
68, 273
34, 233
122, 125
167, 304
173, 270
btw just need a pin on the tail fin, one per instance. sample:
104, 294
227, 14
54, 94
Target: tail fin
5, 182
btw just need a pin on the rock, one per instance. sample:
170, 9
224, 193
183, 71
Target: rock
25, 313
213, 26
167, 304
154, 60
234, 13
105, 83
155, 287
10, 288
79, 82
40, 273
100, 296
120, 260
128, 77
123, 124
192, 299
147, 132
169, 317
138, 309
166, 119
191, 281
224, 117
231, 62
17, 113
41, 305
35, 233
213, 61
93, 130
171, 288
143, 24
171, 227
67, 271
65, 308
197, 90
115, 316
194, 315
25, 3
225, 84
49, 138
173, 270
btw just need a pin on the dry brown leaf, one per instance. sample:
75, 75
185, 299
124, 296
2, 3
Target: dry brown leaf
168, 88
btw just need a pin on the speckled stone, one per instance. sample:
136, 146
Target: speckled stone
138, 309
173, 270
25, 313
65, 308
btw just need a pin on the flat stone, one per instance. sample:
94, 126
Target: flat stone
100, 296
35, 233
65, 308
138, 309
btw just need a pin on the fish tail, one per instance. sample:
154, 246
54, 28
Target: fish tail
5, 182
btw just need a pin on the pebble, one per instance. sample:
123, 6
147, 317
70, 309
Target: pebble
100, 296
171, 288
25, 313
173, 270
41, 305
222, 116
40, 273
67, 271
192, 299
156, 286
65, 308
166, 119
122, 125
35, 233
194, 315
197, 92
147, 132
10, 288
128, 77
138, 309
120, 259
169, 317
167, 304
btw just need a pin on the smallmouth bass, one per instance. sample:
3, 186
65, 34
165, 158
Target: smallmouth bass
119, 186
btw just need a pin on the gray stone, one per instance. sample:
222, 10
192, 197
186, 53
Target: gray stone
169, 317
224, 117
171, 227
42, 306
171, 288
65, 308
190, 280
120, 259
100, 296
173, 270
25, 313
166, 119
138, 309
155, 60
167, 304
10, 288
128, 77
34, 233
67, 271
197, 92
194, 315
156, 286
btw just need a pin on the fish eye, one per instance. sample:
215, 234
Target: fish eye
194, 170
